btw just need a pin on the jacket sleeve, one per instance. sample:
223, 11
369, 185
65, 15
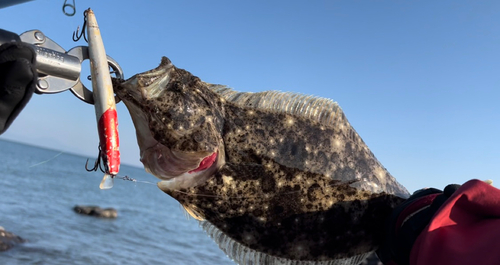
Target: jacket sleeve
465, 229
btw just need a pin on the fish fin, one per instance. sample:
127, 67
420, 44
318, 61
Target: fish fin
241, 254
325, 112
193, 211
322, 110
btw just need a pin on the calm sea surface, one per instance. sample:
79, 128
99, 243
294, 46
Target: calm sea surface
38, 189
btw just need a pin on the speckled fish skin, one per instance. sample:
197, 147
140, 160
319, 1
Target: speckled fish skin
283, 183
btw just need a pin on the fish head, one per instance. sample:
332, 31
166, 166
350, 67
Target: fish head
178, 124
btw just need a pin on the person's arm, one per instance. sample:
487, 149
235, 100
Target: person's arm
18, 77
457, 226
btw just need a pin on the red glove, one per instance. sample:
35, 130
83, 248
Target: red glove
408, 220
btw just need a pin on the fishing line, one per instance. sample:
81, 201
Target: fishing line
269, 197
127, 178
235, 197
43, 162
108, 180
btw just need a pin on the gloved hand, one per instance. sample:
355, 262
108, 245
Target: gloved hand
18, 77
408, 220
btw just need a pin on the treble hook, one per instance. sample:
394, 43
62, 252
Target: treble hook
70, 7
77, 35
97, 164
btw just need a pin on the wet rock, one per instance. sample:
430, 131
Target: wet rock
8, 240
96, 211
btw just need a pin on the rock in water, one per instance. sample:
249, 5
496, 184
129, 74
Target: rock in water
96, 211
8, 239
273, 177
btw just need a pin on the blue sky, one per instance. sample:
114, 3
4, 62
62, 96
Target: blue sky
418, 80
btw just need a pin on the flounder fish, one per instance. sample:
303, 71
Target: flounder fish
273, 177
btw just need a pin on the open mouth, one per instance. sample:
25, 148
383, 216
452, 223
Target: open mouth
205, 163
193, 177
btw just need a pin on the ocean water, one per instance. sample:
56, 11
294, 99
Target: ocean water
38, 189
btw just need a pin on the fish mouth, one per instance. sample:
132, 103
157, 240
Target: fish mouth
179, 170
207, 162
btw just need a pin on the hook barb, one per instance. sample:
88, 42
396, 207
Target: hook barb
77, 35
97, 163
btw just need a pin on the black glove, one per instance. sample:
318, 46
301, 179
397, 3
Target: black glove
18, 78
407, 222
